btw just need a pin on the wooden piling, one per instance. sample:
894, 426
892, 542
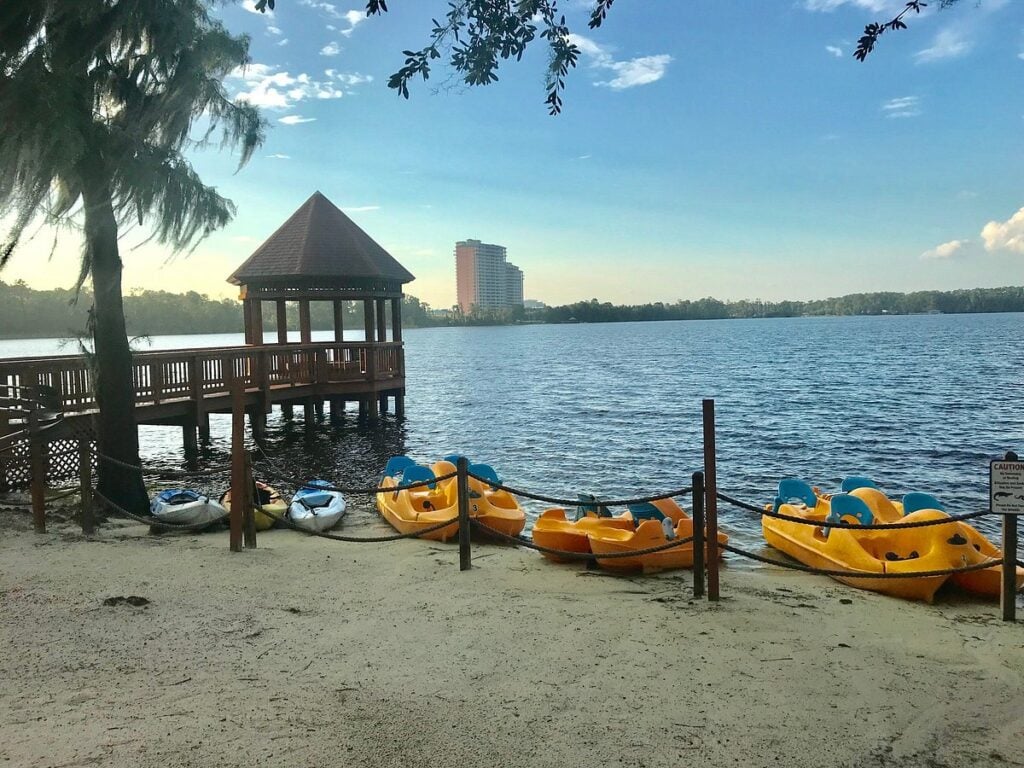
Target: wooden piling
238, 485
698, 534
190, 443
711, 497
337, 410
85, 487
1008, 594
462, 468
37, 465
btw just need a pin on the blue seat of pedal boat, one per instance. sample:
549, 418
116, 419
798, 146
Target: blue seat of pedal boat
396, 465
417, 473
590, 503
485, 472
645, 511
853, 482
915, 500
791, 488
843, 505
178, 496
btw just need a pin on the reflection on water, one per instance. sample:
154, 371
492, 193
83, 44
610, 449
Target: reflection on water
918, 403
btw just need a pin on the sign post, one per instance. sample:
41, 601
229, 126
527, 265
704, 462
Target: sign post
1006, 491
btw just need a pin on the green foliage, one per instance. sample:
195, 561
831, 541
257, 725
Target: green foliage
99, 96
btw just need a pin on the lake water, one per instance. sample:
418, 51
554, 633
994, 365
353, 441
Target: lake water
916, 402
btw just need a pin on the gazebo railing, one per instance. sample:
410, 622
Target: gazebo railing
200, 373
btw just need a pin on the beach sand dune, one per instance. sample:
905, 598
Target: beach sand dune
308, 652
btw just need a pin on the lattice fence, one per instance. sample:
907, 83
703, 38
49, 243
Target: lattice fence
61, 464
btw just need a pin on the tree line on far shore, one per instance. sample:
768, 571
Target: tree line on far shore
26, 312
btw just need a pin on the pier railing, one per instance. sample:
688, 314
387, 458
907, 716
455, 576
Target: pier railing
194, 374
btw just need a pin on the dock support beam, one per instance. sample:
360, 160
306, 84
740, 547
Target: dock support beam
400, 404
190, 444
337, 410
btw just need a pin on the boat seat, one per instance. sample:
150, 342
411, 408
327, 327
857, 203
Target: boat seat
914, 501
417, 473
645, 511
793, 488
178, 496
313, 501
396, 465
853, 482
590, 503
486, 472
844, 505
454, 458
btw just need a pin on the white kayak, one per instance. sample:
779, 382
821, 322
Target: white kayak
186, 507
316, 508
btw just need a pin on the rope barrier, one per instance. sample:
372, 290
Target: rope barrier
530, 544
576, 502
858, 574
853, 526
354, 539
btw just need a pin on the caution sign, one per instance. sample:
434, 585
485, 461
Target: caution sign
1006, 486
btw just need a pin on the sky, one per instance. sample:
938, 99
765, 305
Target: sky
721, 148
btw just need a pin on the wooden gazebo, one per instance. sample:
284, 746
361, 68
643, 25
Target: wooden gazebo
319, 254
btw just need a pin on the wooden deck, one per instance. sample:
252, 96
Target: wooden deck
183, 386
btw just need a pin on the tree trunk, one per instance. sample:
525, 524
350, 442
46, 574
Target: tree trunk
117, 432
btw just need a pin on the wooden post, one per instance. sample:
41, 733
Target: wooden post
305, 324
282, 321
382, 325
287, 411
37, 466
238, 484
337, 410
339, 320
711, 497
256, 321
382, 402
462, 467
308, 413
85, 487
396, 319
1008, 595
368, 321
698, 534
400, 404
258, 424
190, 443
249, 516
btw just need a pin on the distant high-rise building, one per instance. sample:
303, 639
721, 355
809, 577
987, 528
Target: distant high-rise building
484, 278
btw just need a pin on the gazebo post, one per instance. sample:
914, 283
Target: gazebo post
371, 355
396, 336
282, 321
339, 320
305, 327
382, 325
255, 322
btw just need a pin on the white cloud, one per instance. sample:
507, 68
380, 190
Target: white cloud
278, 156
1005, 235
904, 106
945, 251
360, 208
354, 18
629, 73
267, 88
250, 6
331, 49
948, 44
295, 119
875, 6
835, 50
284, 41
274, 30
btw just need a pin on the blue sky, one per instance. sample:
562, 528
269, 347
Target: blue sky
710, 147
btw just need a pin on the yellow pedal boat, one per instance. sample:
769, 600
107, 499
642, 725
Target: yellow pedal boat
554, 530
650, 520
269, 499
880, 551
413, 510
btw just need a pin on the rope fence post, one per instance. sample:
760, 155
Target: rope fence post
462, 480
85, 487
711, 496
238, 491
249, 511
1008, 593
698, 534
37, 466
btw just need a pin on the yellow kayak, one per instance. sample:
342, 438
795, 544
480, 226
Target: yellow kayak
269, 499
880, 551
652, 522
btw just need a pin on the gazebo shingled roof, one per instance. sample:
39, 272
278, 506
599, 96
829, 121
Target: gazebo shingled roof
319, 245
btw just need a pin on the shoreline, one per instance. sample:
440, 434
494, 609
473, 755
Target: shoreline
310, 652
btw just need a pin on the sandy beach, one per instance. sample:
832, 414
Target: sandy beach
307, 652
